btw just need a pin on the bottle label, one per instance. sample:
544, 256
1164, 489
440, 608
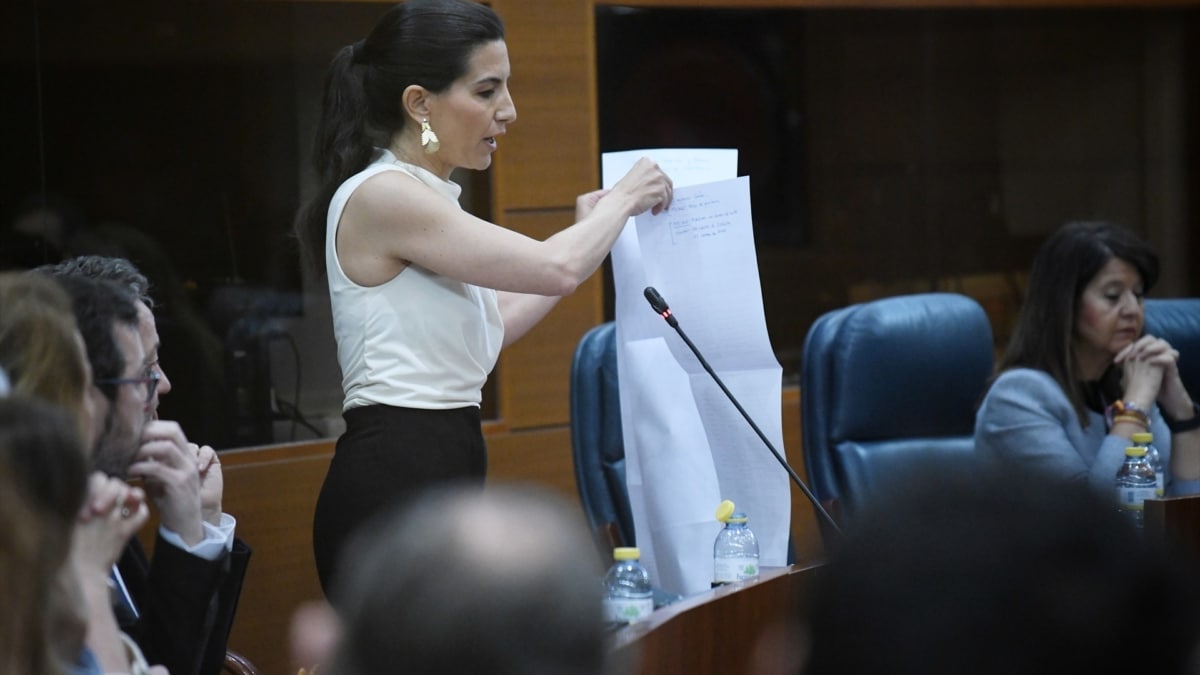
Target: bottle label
726, 570
628, 610
1134, 498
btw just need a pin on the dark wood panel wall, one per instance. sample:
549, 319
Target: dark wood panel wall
918, 172
549, 156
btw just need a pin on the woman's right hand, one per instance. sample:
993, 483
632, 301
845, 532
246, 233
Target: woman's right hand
113, 512
650, 188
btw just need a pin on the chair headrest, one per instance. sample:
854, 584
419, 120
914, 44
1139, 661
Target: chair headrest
909, 366
1177, 320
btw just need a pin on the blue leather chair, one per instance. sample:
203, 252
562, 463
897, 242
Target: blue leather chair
1177, 320
887, 386
596, 442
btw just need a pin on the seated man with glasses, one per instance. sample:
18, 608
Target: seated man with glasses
149, 380
178, 606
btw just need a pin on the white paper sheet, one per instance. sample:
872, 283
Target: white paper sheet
686, 445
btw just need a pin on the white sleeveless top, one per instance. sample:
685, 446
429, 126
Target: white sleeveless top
419, 340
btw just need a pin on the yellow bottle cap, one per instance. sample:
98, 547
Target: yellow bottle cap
626, 553
724, 511
1142, 437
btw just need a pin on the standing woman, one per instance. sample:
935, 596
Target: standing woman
1079, 377
424, 294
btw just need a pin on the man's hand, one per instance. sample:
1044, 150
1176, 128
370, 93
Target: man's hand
212, 482
171, 477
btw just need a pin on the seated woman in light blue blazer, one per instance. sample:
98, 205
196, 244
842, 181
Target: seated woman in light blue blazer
1079, 377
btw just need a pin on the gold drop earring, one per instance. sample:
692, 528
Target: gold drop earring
429, 140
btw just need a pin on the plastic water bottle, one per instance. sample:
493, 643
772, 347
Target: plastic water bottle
629, 597
1146, 439
735, 552
1135, 484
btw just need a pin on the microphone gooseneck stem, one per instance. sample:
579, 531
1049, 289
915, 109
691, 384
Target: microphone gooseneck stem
659, 305
783, 462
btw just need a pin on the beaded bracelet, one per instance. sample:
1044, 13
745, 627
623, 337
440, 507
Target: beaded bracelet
1179, 426
1123, 408
1132, 419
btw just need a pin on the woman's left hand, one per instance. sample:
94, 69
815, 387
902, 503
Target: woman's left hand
113, 513
584, 203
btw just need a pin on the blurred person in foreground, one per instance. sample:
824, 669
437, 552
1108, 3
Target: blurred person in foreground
994, 570
502, 580
57, 615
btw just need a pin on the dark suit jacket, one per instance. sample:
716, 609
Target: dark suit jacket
186, 604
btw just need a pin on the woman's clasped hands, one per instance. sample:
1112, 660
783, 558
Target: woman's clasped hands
1150, 373
113, 512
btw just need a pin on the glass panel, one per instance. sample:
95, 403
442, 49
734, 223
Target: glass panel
177, 134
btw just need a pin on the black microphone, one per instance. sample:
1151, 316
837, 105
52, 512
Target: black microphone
659, 305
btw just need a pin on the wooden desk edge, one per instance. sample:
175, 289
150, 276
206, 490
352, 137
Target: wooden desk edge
631, 634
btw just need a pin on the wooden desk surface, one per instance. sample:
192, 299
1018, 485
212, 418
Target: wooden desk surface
1176, 521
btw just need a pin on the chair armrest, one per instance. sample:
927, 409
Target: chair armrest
236, 664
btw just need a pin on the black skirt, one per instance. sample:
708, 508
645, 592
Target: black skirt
388, 455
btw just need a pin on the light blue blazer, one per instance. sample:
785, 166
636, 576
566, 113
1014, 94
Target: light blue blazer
1027, 418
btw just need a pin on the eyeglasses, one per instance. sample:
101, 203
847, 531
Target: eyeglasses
151, 382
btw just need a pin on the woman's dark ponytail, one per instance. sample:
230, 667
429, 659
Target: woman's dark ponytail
340, 150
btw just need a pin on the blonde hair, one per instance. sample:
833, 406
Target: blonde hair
39, 347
